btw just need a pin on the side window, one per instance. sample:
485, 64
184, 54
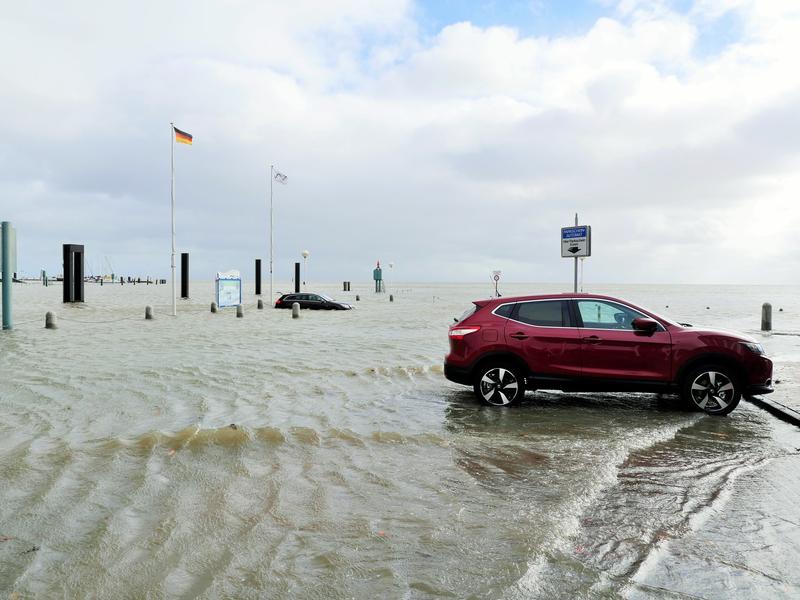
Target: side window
504, 311
548, 313
597, 314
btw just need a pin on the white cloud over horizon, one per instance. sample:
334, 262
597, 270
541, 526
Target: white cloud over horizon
450, 154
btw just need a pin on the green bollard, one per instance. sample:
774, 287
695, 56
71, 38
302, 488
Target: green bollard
8, 270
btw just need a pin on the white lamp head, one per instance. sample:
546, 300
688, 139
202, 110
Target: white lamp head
306, 253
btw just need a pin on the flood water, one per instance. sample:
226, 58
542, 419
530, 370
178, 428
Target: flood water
327, 457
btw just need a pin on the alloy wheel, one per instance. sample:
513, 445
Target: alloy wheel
499, 386
712, 391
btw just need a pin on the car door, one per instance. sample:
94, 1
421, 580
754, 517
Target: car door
314, 302
545, 335
612, 349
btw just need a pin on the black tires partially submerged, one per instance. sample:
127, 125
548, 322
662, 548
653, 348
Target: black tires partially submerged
499, 384
714, 389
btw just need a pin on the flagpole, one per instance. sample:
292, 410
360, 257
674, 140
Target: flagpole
271, 177
172, 208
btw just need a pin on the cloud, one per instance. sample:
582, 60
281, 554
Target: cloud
450, 155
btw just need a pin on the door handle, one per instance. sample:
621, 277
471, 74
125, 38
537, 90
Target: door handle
592, 339
519, 336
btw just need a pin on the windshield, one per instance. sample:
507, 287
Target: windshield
328, 298
662, 317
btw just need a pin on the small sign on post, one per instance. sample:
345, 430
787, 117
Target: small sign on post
229, 289
576, 241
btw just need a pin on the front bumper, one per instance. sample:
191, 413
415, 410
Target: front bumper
758, 389
458, 374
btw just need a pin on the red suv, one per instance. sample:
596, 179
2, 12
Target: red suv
504, 346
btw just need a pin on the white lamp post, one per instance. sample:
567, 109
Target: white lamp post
306, 254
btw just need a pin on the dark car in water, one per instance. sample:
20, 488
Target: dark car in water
582, 342
311, 301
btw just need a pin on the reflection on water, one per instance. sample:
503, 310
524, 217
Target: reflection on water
327, 457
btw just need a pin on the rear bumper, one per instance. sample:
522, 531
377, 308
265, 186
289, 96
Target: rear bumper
457, 374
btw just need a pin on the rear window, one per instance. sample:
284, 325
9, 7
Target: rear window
549, 313
467, 313
504, 311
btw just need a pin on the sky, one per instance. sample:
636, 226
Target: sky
451, 138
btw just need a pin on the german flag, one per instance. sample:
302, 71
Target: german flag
182, 137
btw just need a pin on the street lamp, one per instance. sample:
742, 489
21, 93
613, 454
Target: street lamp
305, 254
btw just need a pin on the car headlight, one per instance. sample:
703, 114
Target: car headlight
753, 347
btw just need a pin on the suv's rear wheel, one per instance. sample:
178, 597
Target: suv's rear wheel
499, 384
713, 389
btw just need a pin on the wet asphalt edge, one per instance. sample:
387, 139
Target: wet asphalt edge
777, 409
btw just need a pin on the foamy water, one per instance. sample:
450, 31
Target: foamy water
266, 457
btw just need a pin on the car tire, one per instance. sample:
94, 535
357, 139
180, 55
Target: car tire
714, 389
499, 384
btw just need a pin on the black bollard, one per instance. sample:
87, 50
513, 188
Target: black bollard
73, 272
184, 275
297, 278
258, 277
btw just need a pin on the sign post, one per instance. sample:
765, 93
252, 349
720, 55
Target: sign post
496, 278
576, 242
8, 264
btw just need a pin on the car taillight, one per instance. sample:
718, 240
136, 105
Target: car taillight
459, 332
278, 302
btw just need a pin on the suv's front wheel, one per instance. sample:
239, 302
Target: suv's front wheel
499, 384
713, 389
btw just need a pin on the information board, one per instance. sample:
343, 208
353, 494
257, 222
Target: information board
576, 241
229, 289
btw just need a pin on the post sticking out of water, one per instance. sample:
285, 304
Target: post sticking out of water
258, 277
391, 297
239, 311
297, 278
148, 313
185, 275
213, 307
50, 321
295, 310
358, 298
260, 304
766, 317
7, 267
73, 273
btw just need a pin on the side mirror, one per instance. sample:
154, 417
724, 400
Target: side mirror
647, 326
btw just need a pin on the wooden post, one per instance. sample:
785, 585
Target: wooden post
258, 277
766, 317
